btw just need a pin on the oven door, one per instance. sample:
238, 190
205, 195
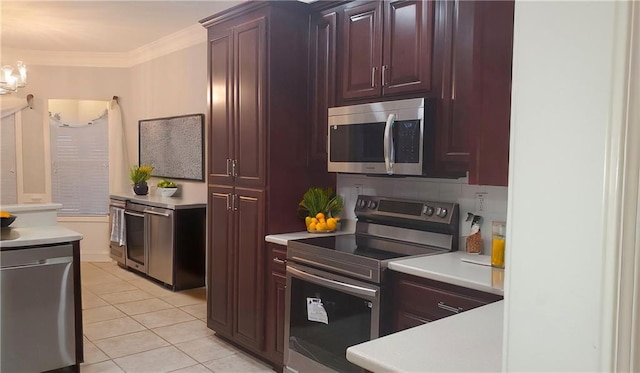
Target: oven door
324, 315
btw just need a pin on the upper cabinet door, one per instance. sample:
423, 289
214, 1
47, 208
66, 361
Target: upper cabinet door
323, 88
361, 51
220, 104
408, 45
250, 102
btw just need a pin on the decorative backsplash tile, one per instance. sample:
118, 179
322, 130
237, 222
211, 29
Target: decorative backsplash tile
443, 190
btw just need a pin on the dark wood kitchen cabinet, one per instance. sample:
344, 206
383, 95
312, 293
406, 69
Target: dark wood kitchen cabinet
322, 67
258, 138
235, 276
473, 68
417, 300
276, 281
386, 48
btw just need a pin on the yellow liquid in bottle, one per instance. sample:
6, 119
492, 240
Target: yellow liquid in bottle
497, 252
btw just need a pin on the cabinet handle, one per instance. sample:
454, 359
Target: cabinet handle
279, 261
384, 75
228, 201
235, 202
373, 76
449, 308
234, 167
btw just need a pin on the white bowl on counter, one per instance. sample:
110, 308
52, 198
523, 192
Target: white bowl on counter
167, 192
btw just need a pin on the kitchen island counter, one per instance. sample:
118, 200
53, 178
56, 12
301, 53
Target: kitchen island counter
30, 236
468, 342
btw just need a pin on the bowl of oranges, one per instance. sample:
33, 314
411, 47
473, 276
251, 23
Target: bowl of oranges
6, 219
321, 224
321, 207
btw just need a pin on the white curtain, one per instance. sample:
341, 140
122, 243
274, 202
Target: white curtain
118, 155
11, 104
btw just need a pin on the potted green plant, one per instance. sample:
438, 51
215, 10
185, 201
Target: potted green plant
322, 207
139, 176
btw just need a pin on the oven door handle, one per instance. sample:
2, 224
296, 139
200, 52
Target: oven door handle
332, 284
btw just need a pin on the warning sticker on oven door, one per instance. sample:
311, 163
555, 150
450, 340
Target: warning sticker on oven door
316, 311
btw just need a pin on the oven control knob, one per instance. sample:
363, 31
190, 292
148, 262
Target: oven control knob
442, 213
360, 203
373, 205
427, 210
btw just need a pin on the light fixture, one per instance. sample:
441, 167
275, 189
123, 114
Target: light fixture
13, 78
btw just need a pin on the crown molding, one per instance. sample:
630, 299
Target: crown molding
184, 38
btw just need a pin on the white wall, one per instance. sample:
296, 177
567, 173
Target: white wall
174, 84
171, 85
563, 72
443, 190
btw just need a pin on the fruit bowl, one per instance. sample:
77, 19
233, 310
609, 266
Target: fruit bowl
167, 192
324, 231
321, 224
5, 222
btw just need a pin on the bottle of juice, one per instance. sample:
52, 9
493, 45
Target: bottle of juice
497, 244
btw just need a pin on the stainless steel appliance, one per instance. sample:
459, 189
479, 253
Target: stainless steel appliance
149, 247
381, 138
38, 319
116, 244
335, 285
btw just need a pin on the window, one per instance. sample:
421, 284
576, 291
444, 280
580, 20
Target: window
79, 157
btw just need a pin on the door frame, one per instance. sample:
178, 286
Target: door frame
621, 258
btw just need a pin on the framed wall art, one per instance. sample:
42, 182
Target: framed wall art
174, 146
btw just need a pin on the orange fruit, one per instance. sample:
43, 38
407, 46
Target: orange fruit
319, 216
312, 226
307, 220
331, 224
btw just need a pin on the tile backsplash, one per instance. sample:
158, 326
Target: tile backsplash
442, 190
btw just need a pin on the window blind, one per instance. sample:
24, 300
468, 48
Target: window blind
79, 167
8, 178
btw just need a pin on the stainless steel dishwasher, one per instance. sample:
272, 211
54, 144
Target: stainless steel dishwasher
37, 303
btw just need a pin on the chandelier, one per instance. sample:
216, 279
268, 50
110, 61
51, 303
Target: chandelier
13, 78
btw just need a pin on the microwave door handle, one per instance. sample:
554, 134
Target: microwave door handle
388, 144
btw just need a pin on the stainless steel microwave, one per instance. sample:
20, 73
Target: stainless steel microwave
378, 138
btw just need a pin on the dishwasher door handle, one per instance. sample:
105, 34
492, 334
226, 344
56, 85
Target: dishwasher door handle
156, 213
42, 262
134, 214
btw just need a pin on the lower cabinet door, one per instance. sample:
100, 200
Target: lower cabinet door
249, 215
274, 343
220, 268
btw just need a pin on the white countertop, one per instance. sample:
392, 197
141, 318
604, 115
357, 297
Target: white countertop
283, 238
451, 269
468, 342
42, 235
31, 207
173, 203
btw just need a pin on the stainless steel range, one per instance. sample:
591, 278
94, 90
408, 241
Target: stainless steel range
335, 284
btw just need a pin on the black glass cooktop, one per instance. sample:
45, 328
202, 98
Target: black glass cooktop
374, 248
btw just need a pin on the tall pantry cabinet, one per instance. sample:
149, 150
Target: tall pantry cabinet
257, 173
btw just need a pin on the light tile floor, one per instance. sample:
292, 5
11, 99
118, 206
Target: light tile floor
133, 325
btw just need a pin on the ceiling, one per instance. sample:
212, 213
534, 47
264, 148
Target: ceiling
97, 26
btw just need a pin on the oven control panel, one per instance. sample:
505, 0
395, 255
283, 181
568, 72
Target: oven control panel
428, 211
